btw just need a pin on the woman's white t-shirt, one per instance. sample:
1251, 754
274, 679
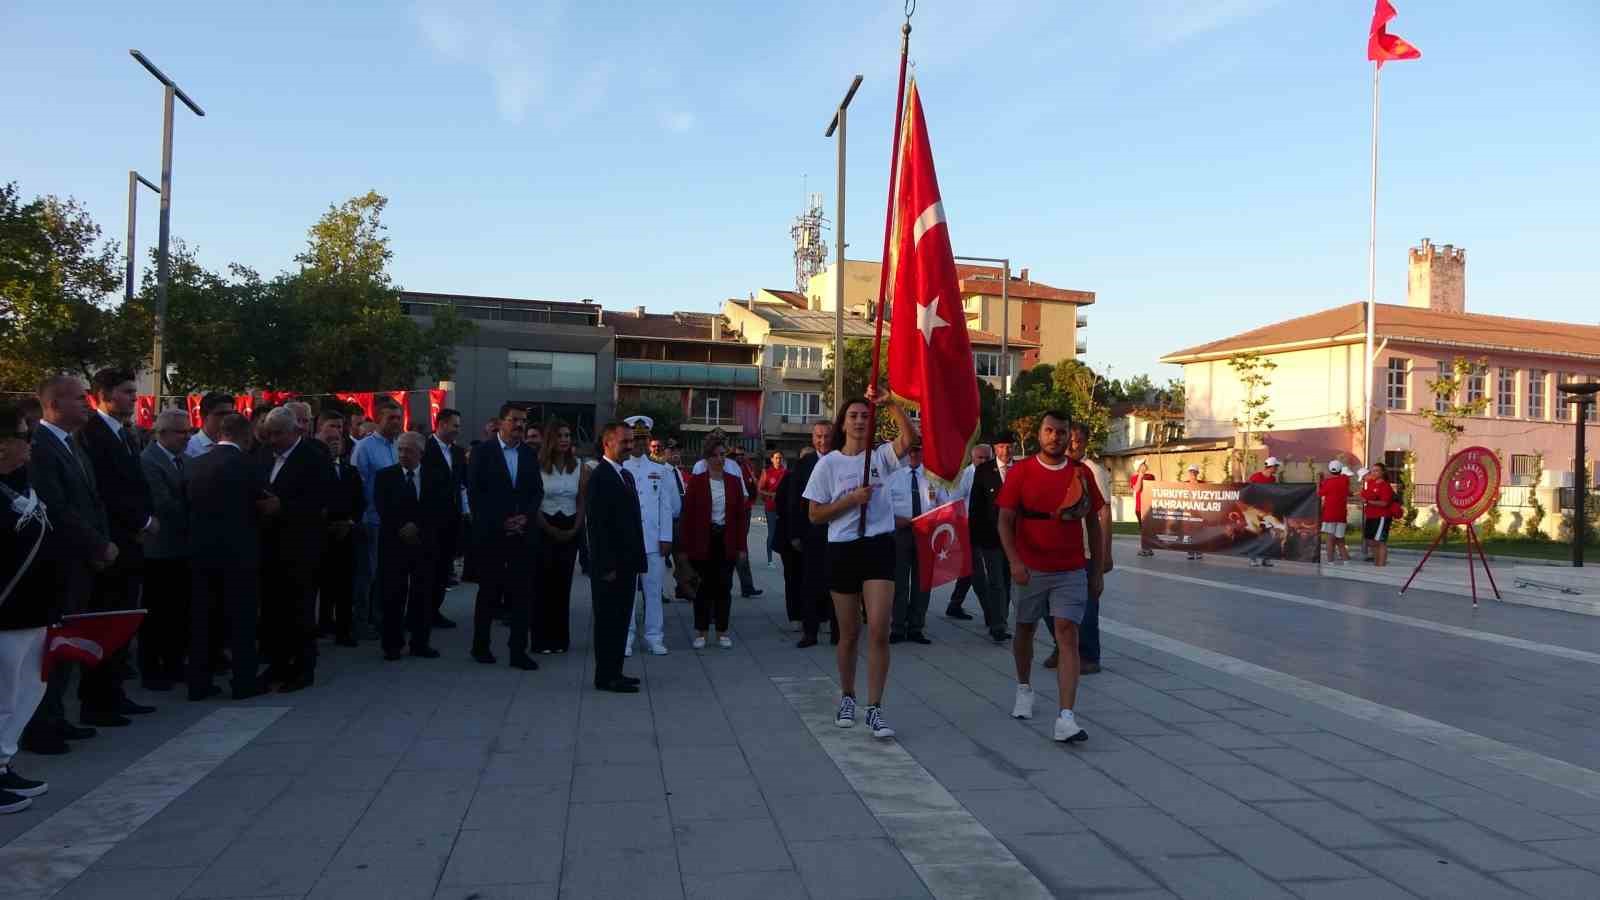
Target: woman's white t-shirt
837, 474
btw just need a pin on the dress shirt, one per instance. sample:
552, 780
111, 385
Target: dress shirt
719, 501
278, 460
510, 454
901, 481
412, 481
199, 443
373, 453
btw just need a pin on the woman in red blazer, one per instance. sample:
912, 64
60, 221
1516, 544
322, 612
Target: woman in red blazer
713, 529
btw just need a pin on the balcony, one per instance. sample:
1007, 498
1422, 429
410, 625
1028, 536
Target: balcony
660, 373
728, 424
800, 373
1083, 346
1083, 319
788, 424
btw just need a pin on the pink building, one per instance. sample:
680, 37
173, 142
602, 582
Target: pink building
1317, 387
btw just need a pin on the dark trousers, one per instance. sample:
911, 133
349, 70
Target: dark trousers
1089, 632
406, 579
445, 565
994, 589
795, 599
119, 587
958, 595
232, 590
336, 587
910, 600
506, 572
75, 592
613, 601
818, 607
714, 599
552, 613
164, 636
288, 615
747, 583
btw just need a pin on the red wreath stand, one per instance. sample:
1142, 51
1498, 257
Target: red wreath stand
1469, 486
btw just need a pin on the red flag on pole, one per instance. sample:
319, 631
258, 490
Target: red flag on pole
361, 400
89, 638
930, 355
943, 554
435, 403
195, 418
144, 411
405, 408
1383, 46
244, 404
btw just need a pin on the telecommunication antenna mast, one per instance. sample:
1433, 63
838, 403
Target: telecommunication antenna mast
810, 250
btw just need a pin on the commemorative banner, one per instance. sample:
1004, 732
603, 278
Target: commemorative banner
1272, 521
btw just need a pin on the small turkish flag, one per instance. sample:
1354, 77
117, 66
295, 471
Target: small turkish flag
144, 411
399, 397
1383, 46
930, 355
360, 399
89, 638
435, 403
943, 554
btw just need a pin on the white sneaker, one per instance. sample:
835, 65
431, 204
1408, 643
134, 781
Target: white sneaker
1023, 709
698, 643
846, 716
880, 728
658, 649
628, 651
1266, 563
1067, 729
1254, 562
724, 642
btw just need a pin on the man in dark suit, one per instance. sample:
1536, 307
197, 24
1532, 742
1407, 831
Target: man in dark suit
346, 503
227, 500
505, 490
443, 455
413, 502
808, 542
988, 557
113, 455
297, 473
616, 555
164, 635
64, 480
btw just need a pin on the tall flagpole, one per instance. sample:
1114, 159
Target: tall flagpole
1372, 274
883, 266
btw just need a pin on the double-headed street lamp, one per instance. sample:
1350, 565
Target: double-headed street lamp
157, 363
1581, 396
838, 253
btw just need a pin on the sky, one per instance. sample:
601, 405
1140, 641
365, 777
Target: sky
1201, 165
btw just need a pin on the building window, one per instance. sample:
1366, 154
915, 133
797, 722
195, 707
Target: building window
1564, 410
1395, 382
799, 405
1505, 394
1536, 389
1522, 467
1441, 403
544, 370
713, 407
1477, 386
796, 356
1394, 465
987, 364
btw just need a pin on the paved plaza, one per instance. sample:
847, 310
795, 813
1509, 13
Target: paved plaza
1254, 734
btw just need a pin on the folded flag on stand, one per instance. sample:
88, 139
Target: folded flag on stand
943, 554
90, 637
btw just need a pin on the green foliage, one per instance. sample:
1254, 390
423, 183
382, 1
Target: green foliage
57, 284
664, 408
1532, 528
1254, 372
1450, 403
857, 370
1408, 490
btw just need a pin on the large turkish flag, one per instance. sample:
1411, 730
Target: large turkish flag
930, 355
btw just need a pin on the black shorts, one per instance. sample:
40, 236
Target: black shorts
1377, 529
852, 563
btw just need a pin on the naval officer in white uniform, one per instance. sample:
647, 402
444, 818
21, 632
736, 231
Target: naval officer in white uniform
658, 504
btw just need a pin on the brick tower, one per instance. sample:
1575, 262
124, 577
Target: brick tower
1437, 278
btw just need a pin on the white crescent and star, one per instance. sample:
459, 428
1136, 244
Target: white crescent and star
928, 313
933, 540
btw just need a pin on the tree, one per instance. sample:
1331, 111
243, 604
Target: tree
1451, 404
57, 284
1254, 372
349, 242
857, 371
664, 408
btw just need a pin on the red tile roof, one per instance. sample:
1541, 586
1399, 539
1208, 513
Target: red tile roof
669, 326
986, 280
1408, 325
793, 298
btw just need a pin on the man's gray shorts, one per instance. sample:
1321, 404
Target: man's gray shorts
1064, 595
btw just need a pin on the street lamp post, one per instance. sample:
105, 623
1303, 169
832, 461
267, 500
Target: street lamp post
1005, 326
163, 270
838, 122
1581, 396
134, 180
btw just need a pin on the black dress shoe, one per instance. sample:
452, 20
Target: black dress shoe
917, 637
618, 686
101, 718
425, 652
156, 684
346, 642
956, 612
809, 640
754, 592
524, 662
896, 638
297, 683
439, 621
43, 741
210, 691
630, 679
70, 732
483, 656
391, 655
130, 708
247, 693
1088, 667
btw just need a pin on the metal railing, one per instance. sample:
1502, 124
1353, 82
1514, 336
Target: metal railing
685, 374
1425, 494
1567, 498
1516, 495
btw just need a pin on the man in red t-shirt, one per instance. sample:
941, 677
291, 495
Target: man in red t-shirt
1046, 505
1335, 493
1267, 475
1378, 513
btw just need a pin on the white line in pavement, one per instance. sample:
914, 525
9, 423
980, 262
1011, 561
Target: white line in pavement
43, 859
950, 850
1452, 630
1514, 759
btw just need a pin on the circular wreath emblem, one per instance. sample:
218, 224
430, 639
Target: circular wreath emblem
1469, 485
